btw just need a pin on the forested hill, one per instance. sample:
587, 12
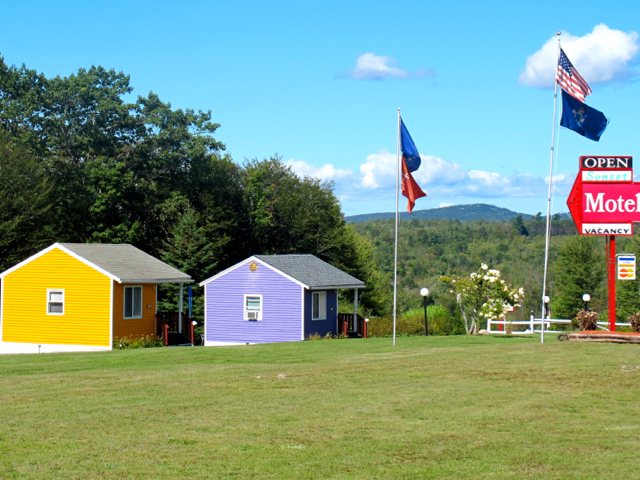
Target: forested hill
464, 213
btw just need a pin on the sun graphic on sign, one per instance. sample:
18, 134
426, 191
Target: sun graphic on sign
253, 266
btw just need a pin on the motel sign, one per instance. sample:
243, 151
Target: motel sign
605, 201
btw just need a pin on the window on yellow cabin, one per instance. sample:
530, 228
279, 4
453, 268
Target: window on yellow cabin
55, 301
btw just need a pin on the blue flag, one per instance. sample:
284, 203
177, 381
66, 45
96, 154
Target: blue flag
410, 153
581, 118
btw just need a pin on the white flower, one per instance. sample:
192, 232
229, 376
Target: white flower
450, 291
484, 266
486, 277
492, 279
516, 296
521, 291
473, 275
453, 281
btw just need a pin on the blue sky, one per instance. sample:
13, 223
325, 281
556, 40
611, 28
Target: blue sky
318, 83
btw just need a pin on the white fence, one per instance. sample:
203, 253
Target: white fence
537, 322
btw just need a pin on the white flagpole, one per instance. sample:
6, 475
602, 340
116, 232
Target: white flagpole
395, 263
548, 233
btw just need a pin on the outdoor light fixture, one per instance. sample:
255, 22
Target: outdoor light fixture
586, 298
425, 293
546, 308
194, 323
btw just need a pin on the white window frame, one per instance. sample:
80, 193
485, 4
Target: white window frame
246, 310
124, 300
322, 312
55, 290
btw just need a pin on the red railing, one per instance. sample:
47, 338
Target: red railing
167, 322
346, 325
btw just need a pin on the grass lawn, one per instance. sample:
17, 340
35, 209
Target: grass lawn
437, 407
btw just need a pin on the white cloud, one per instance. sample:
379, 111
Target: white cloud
602, 56
375, 67
325, 172
379, 171
448, 179
445, 204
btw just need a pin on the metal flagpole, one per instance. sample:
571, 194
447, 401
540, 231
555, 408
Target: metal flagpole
548, 233
395, 263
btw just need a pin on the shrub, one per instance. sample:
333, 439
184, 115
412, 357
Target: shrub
328, 336
412, 323
588, 320
143, 341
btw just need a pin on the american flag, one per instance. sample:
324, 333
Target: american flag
570, 80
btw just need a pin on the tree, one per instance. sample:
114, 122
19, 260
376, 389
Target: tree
190, 251
518, 225
24, 203
114, 166
483, 295
579, 269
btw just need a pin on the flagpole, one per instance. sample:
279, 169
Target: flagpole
548, 233
395, 262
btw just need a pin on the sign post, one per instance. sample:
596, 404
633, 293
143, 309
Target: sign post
605, 201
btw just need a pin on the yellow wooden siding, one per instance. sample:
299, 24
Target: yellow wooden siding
134, 327
86, 319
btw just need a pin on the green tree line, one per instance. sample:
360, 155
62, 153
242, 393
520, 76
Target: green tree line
82, 161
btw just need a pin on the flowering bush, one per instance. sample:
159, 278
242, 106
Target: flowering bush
483, 294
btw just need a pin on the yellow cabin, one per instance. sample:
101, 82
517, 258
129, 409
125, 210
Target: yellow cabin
80, 296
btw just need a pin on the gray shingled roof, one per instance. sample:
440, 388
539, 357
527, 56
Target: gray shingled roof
312, 271
128, 263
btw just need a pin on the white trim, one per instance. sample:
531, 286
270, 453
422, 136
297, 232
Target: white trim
2, 282
54, 290
94, 266
253, 259
8, 348
319, 303
124, 301
111, 312
65, 250
302, 306
204, 319
245, 313
180, 307
226, 344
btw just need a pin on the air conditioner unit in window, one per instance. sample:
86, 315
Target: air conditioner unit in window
253, 315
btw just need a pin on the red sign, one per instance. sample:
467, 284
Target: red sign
604, 207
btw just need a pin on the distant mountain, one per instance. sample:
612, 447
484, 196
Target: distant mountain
464, 213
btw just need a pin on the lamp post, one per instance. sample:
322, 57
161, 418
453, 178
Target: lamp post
546, 305
546, 310
586, 298
425, 293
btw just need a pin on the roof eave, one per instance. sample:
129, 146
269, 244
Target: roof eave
156, 280
337, 287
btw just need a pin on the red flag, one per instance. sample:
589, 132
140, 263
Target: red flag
410, 188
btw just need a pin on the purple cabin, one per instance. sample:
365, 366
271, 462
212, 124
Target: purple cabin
274, 298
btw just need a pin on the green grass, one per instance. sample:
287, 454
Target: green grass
437, 407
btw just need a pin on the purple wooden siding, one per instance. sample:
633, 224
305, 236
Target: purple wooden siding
281, 307
322, 327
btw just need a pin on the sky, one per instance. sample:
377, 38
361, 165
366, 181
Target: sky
319, 83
